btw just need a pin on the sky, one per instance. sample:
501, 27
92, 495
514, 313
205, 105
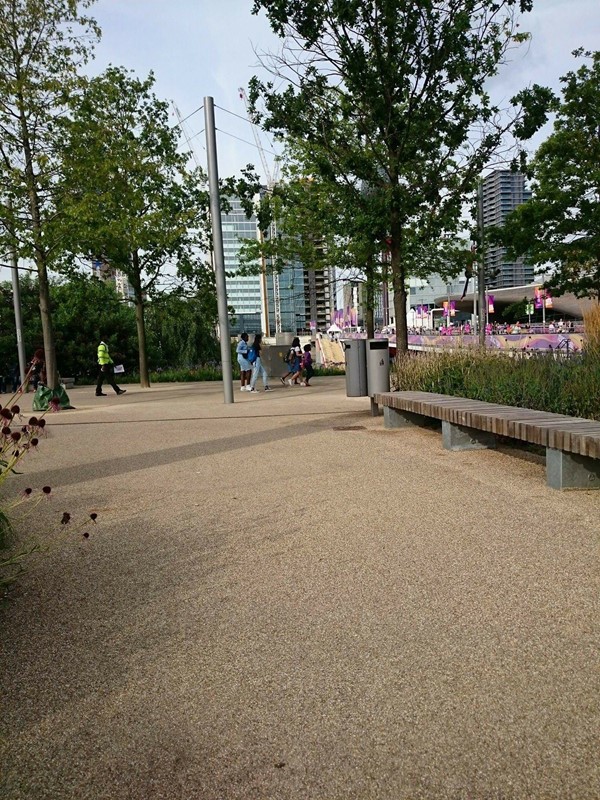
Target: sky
199, 48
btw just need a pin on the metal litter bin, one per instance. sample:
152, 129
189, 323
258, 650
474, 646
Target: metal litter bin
378, 369
356, 367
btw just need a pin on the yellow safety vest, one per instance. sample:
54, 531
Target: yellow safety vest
103, 357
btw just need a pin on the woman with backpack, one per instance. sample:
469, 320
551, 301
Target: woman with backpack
292, 359
254, 358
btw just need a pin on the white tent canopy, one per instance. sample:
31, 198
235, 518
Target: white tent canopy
334, 329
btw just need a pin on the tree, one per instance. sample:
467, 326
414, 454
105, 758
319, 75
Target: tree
409, 79
560, 226
42, 43
181, 329
126, 195
32, 325
85, 310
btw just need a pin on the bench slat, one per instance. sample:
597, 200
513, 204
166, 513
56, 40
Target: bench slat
557, 431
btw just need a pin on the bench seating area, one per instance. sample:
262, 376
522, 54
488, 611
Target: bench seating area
572, 444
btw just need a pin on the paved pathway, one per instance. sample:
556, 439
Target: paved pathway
235, 630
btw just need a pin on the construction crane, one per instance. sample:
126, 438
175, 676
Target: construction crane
271, 180
186, 134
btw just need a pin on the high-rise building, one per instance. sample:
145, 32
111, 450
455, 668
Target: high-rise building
302, 295
243, 291
500, 193
105, 272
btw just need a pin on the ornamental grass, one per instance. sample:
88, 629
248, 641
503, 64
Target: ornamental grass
546, 382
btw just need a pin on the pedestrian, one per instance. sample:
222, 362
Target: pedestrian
307, 366
292, 359
38, 369
245, 365
254, 357
106, 371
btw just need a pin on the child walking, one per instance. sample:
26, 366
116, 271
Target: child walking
307, 366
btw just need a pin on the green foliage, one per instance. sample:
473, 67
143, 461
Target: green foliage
126, 195
544, 382
390, 98
85, 311
181, 331
561, 224
42, 44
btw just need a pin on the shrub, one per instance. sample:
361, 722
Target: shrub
546, 382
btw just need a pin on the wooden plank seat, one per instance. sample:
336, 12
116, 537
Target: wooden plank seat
572, 443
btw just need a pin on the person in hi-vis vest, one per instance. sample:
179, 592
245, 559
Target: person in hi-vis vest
106, 371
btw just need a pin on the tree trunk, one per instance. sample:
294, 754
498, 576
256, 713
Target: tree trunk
399, 285
140, 321
40, 257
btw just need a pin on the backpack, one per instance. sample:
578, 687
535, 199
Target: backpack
251, 355
288, 356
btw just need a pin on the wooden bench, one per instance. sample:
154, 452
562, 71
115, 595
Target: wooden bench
572, 444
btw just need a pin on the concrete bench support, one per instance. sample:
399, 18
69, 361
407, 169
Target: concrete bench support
571, 471
474, 424
393, 418
458, 437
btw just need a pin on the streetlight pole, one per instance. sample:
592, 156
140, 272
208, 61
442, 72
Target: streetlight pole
215, 214
481, 267
14, 262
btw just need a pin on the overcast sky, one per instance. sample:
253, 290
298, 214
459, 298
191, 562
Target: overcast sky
206, 47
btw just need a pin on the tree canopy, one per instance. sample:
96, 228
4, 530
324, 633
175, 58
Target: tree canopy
408, 81
127, 197
42, 45
559, 228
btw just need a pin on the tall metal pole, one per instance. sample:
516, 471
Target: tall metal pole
215, 214
481, 268
17, 300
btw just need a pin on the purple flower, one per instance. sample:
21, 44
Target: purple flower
33, 421
15, 410
42, 423
66, 518
27, 492
6, 413
93, 516
6, 431
55, 404
86, 535
15, 436
46, 489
